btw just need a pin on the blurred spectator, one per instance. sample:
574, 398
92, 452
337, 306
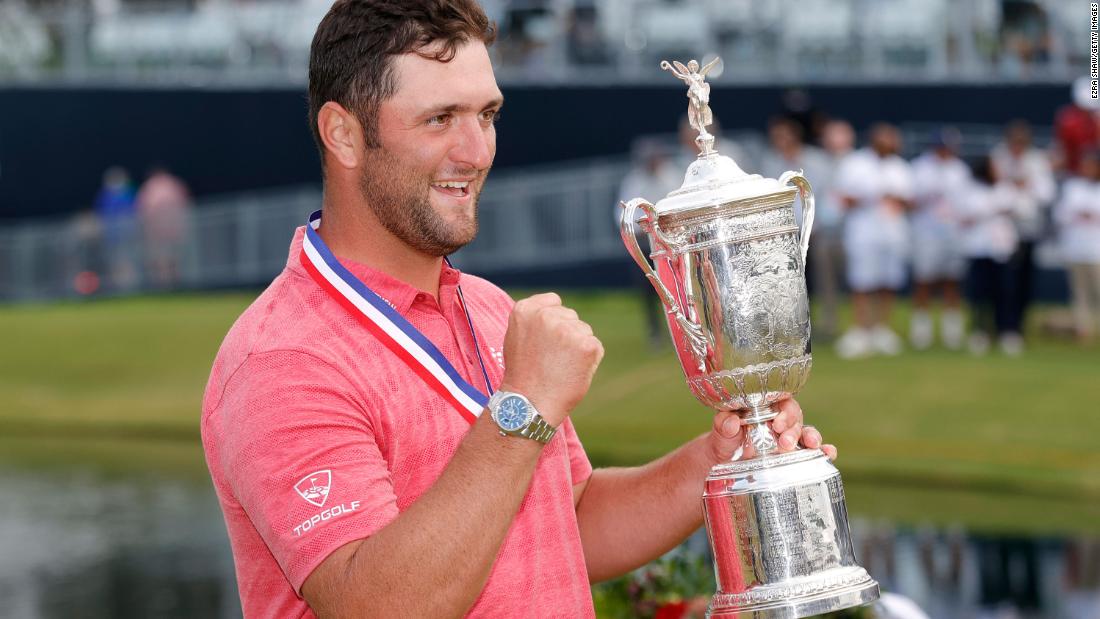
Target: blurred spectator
114, 204
941, 180
787, 152
529, 33
876, 185
164, 203
1025, 37
1078, 219
1027, 170
1077, 127
826, 244
652, 176
988, 239
85, 258
585, 44
1082, 579
799, 107
1009, 576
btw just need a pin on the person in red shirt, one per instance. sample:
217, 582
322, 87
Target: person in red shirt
390, 437
1076, 128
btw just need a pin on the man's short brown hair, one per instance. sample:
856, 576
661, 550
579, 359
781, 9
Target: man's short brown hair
350, 60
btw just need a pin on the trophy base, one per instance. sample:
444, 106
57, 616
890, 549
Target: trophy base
791, 601
778, 526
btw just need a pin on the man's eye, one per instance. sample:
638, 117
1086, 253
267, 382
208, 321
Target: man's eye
490, 116
439, 120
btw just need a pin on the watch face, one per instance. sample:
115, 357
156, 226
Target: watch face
512, 413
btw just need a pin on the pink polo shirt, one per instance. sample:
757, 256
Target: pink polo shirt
316, 435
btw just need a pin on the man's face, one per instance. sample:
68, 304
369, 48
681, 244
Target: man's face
1018, 140
783, 137
438, 141
886, 141
838, 138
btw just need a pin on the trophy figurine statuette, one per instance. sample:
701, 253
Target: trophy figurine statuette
729, 266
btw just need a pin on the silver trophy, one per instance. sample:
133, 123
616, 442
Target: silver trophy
729, 266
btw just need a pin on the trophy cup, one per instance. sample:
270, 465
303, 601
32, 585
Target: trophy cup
729, 266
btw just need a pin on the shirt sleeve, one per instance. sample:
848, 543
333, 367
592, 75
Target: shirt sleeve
904, 185
848, 178
299, 453
580, 469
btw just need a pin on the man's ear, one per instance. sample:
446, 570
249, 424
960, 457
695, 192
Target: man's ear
341, 134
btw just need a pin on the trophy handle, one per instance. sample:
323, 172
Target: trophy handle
803, 185
630, 239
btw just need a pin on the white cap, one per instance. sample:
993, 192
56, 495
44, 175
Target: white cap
1082, 94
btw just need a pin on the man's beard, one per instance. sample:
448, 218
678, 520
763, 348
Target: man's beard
401, 201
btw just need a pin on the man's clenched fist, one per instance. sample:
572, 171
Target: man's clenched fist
550, 355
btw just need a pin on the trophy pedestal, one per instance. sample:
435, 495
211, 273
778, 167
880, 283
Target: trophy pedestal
779, 530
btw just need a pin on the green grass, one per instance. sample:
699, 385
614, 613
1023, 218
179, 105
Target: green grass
938, 437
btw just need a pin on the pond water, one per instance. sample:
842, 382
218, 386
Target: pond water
75, 543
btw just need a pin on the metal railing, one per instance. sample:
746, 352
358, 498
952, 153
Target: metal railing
540, 217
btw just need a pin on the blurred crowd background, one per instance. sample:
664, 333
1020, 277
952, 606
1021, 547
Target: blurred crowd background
983, 86
161, 146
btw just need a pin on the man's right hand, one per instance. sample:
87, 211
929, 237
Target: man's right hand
550, 356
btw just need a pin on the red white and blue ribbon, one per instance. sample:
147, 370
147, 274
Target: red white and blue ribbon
390, 327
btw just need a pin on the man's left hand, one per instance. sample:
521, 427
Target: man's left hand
727, 435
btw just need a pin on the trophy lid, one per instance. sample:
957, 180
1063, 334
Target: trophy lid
712, 179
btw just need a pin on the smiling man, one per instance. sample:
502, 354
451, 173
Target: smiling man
373, 452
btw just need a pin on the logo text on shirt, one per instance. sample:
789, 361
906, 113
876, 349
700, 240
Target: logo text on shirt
328, 514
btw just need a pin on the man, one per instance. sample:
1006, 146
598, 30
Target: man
827, 239
788, 152
652, 176
164, 204
1076, 128
359, 469
876, 186
1028, 171
942, 180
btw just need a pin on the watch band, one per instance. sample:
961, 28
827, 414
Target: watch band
538, 430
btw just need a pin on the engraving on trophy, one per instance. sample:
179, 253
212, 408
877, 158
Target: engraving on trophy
766, 312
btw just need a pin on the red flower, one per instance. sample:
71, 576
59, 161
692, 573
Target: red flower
672, 610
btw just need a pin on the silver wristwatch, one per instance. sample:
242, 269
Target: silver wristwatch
516, 416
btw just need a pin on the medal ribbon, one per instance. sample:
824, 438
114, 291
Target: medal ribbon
391, 328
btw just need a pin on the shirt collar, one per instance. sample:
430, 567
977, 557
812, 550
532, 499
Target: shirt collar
399, 294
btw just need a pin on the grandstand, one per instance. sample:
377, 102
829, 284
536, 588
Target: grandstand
565, 41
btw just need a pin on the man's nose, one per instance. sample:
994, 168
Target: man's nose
475, 146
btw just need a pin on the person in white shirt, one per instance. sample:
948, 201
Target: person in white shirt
988, 238
788, 152
1028, 170
1077, 216
876, 186
652, 176
826, 242
940, 179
